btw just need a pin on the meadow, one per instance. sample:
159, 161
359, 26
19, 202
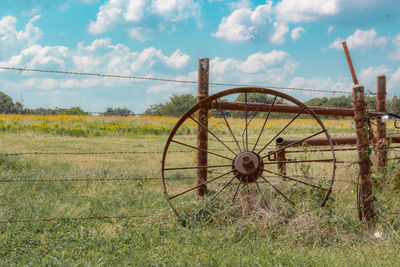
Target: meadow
141, 229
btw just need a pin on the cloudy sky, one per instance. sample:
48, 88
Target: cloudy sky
289, 43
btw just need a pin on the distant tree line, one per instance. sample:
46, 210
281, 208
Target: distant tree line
7, 106
179, 104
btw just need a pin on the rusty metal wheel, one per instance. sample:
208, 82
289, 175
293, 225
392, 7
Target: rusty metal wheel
245, 158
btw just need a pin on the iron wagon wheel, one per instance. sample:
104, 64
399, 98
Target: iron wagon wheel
243, 156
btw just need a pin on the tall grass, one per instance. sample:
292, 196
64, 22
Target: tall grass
250, 233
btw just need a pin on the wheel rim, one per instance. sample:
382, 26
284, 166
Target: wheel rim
247, 162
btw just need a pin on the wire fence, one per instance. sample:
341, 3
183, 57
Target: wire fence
172, 80
145, 78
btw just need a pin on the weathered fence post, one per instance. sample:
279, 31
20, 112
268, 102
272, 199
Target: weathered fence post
364, 162
281, 157
202, 134
381, 155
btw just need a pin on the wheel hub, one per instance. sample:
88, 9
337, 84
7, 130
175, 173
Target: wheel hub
247, 167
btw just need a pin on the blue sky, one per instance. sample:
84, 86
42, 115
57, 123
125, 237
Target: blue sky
289, 43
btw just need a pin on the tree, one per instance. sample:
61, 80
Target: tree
394, 105
177, 106
7, 105
124, 112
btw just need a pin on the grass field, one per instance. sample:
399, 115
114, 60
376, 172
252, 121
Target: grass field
144, 230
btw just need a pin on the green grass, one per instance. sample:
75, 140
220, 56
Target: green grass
277, 236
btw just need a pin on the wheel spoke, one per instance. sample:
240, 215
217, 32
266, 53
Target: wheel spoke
237, 190
199, 185
227, 124
277, 190
265, 121
216, 194
284, 128
292, 144
197, 167
205, 127
259, 191
209, 152
298, 181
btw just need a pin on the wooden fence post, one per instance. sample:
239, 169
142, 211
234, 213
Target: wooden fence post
381, 155
202, 117
364, 162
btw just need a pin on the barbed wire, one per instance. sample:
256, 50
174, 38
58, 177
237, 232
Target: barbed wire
89, 153
92, 179
172, 80
67, 219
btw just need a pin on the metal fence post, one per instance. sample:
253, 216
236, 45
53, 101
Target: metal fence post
381, 155
364, 162
281, 158
202, 117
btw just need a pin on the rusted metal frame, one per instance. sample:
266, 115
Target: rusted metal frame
381, 144
292, 144
207, 103
206, 128
281, 159
265, 122
350, 63
295, 180
227, 124
277, 190
206, 151
297, 161
199, 185
361, 122
337, 141
202, 117
284, 128
284, 108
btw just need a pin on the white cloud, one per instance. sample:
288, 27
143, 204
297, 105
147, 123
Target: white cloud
394, 82
259, 68
305, 10
324, 83
297, 33
175, 10
396, 42
12, 40
139, 14
100, 56
280, 31
368, 75
367, 38
336, 11
141, 33
37, 56
240, 25
245, 24
108, 16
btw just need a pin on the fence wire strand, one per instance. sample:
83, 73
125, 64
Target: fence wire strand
173, 80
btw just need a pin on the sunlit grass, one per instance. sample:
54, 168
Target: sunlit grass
266, 235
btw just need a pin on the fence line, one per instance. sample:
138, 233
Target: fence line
67, 219
172, 80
